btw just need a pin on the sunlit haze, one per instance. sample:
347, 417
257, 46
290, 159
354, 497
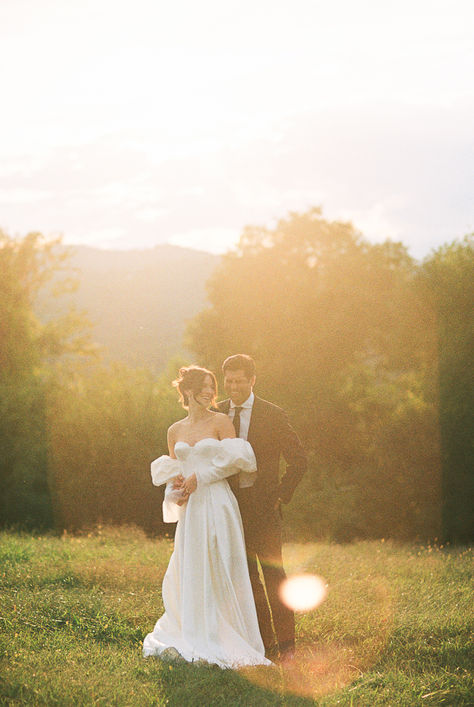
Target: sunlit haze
128, 124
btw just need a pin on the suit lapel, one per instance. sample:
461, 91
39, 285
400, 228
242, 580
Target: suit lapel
254, 421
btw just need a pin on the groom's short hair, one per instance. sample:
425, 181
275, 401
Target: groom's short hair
240, 362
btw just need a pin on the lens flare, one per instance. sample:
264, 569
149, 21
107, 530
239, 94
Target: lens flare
303, 592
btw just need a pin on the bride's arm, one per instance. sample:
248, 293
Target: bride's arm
171, 439
179, 488
225, 427
177, 485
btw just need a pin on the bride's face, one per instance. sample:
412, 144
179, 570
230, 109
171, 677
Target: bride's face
207, 393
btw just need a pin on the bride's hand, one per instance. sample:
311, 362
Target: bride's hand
190, 484
178, 482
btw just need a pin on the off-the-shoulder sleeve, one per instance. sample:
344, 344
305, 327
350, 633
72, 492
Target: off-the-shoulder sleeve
231, 456
164, 469
171, 511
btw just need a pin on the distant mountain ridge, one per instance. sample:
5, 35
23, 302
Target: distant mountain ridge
139, 300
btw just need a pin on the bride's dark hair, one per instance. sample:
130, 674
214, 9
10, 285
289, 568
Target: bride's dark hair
192, 378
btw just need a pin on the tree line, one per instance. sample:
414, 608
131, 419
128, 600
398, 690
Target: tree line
367, 350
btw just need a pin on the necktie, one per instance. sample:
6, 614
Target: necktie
236, 420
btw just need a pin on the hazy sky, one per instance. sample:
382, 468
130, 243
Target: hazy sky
127, 124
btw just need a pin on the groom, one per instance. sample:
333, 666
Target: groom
267, 429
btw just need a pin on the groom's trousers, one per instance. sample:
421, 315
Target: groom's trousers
262, 529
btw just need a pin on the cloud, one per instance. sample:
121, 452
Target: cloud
394, 171
24, 196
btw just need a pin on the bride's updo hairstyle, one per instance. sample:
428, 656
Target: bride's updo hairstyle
192, 378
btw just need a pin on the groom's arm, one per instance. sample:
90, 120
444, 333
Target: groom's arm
294, 455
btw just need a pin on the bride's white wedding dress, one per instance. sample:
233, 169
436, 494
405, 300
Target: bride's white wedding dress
209, 606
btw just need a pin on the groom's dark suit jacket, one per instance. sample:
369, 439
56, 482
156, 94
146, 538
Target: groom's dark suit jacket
272, 436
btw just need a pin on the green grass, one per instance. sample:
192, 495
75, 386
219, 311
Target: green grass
394, 629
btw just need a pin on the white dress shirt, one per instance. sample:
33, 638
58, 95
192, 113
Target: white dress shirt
245, 480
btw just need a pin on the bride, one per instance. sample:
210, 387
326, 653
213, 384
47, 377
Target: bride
209, 606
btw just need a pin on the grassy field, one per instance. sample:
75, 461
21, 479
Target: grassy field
394, 629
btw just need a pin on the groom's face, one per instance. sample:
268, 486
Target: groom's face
237, 386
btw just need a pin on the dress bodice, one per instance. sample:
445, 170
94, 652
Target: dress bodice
203, 451
213, 459
210, 459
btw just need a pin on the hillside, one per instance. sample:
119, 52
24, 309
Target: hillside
138, 301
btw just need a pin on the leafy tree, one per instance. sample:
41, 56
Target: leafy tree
342, 339
28, 352
448, 275
107, 423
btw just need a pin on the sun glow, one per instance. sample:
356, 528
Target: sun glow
303, 592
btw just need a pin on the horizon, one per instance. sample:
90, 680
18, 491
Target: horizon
231, 248
124, 248
196, 249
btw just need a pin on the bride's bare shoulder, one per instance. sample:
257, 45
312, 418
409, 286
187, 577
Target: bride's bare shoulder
174, 428
224, 425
